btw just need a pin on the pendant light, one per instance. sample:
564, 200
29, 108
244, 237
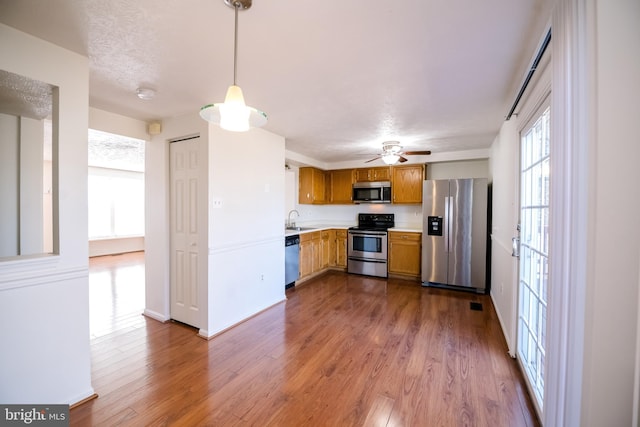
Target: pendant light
234, 114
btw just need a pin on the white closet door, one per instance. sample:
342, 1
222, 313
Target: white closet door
185, 251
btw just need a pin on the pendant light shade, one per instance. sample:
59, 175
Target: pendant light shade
234, 114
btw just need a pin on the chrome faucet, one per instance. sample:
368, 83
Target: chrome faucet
289, 223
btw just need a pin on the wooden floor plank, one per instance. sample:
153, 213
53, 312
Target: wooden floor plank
342, 350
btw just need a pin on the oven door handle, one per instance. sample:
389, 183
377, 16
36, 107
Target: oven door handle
374, 260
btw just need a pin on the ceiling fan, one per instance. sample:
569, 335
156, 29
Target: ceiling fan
392, 153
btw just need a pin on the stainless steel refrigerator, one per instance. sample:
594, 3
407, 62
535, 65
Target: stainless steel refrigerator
454, 233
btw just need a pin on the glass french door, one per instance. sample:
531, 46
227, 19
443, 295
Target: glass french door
534, 249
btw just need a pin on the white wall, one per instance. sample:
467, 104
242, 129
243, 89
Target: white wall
31, 186
291, 191
459, 169
504, 167
614, 246
44, 300
119, 125
9, 185
246, 233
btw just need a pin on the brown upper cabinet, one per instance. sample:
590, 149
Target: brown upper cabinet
311, 188
339, 183
336, 186
407, 183
373, 174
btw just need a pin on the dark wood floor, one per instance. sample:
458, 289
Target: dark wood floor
343, 350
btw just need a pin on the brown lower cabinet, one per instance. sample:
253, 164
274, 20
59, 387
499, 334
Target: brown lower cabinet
405, 253
325, 246
341, 249
320, 250
306, 255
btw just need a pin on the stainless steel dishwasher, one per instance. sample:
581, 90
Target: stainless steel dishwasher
291, 260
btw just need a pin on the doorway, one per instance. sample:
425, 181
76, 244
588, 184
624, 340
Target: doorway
116, 228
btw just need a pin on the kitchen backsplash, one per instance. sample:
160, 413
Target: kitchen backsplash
405, 215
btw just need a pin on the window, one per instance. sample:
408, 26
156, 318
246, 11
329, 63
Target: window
116, 186
534, 250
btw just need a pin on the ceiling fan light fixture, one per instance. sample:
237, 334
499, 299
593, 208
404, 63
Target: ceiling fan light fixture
391, 147
390, 158
392, 153
234, 115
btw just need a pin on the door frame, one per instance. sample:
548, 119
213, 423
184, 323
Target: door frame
538, 93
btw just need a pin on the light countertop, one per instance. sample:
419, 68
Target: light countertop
320, 227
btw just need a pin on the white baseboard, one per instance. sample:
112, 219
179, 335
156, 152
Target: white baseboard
510, 347
156, 316
203, 333
101, 247
81, 398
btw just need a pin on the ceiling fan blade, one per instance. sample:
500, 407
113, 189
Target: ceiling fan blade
402, 159
416, 153
375, 158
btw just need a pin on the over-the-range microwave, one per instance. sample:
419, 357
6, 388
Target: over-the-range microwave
372, 192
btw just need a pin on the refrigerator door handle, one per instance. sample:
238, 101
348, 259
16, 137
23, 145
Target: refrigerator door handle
448, 206
445, 225
451, 217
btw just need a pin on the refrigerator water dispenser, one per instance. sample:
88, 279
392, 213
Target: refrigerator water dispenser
434, 226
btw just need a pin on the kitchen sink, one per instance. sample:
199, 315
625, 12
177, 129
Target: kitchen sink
299, 228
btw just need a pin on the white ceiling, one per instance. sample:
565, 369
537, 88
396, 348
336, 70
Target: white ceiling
336, 78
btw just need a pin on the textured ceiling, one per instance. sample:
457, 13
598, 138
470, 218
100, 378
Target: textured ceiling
115, 151
22, 96
335, 78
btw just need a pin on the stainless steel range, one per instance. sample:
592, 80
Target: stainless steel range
367, 245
